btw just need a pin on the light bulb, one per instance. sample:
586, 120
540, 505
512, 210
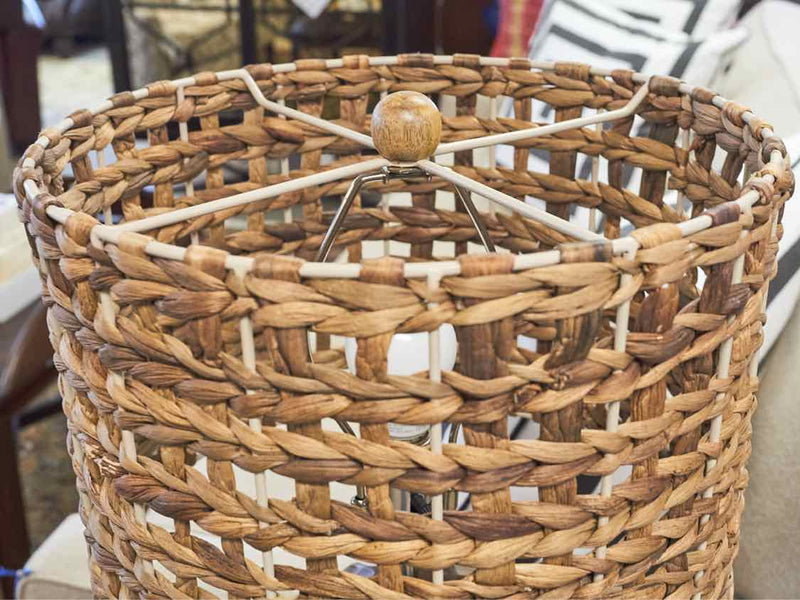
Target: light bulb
408, 354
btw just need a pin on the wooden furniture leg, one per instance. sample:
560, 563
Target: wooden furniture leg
14, 541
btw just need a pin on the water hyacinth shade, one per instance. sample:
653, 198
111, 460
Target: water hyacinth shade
201, 343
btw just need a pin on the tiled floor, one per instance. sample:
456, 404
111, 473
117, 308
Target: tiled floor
48, 483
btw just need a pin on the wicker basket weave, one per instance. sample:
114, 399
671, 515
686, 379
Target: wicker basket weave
186, 375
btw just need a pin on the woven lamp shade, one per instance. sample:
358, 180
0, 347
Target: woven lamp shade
201, 357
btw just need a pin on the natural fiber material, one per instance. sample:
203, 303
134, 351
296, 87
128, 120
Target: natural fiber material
156, 355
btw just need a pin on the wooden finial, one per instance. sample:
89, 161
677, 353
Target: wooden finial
406, 127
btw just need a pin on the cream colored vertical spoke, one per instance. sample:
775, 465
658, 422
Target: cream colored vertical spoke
435, 374
262, 499
621, 326
183, 131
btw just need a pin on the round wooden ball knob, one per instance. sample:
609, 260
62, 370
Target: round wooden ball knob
406, 127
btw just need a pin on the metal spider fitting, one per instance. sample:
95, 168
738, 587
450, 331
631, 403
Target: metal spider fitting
406, 127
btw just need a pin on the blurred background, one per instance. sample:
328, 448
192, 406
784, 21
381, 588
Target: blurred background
57, 56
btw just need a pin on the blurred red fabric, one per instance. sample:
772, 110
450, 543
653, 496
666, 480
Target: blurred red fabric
518, 19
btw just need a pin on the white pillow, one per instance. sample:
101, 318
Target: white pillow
784, 290
763, 71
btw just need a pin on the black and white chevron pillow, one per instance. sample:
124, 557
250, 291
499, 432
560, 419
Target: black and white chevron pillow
697, 18
599, 34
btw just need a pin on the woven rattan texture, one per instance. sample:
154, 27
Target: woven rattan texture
153, 374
